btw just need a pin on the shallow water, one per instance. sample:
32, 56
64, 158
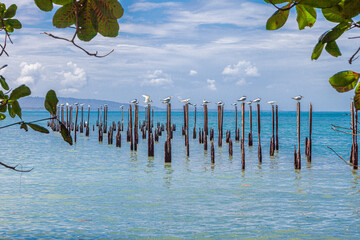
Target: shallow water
98, 191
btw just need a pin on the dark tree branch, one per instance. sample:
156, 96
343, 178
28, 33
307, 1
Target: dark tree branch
283, 9
21, 122
350, 164
14, 168
354, 57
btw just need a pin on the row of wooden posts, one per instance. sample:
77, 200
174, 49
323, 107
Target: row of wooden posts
146, 127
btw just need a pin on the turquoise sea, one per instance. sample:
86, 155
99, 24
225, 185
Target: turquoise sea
96, 191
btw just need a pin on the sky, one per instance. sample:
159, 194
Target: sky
197, 49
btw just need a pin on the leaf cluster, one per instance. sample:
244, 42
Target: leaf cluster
341, 12
9, 104
90, 17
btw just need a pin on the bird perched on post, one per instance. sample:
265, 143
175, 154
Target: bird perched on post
234, 104
298, 98
134, 101
186, 101
249, 103
205, 102
242, 99
147, 99
220, 103
271, 102
166, 100
257, 100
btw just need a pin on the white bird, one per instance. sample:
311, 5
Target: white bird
205, 102
186, 101
256, 100
134, 101
242, 99
166, 100
122, 106
193, 104
220, 103
271, 102
249, 103
147, 99
298, 98
234, 104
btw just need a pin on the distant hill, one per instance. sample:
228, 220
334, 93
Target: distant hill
37, 103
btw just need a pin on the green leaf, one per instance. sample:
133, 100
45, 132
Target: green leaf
37, 128
8, 27
3, 83
306, 16
108, 27
14, 23
87, 23
108, 8
62, 2
10, 12
2, 116
44, 5
333, 49
24, 126
65, 134
64, 16
277, 1
344, 81
16, 108
51, 102
3, 108
333, 14
278, 19
319, 3
19, 92
335, 32
351, 8
317, 51
2, 9
11, 111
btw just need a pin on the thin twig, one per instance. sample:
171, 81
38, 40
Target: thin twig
283, 9
341, 157
353, 57
14, 168
21, 122
337, 130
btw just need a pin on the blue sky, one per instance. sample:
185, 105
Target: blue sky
218, 50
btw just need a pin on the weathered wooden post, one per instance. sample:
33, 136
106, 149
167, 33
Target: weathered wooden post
309, 142
259, 131
62, 114
98, 117
87, 132
76, 118
298, 154
243, 136
136, 122
212, 153
131, 128
67, 116
272, 144
219, 125
187, 130
230, 147
194, 131
277, 129
250, 137
167, 146
82, 119
236, 124
205, 133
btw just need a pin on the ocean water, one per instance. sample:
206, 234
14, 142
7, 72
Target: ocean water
96, 191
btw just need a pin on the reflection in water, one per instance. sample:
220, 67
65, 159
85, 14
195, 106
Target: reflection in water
168, 174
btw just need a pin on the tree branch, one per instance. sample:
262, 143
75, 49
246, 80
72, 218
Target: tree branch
340, 157
353, 57
14, 168
283, 9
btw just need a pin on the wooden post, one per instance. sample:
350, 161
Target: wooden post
149, 129
194, 131
82, 119
206, 119
309, 143
298, 155
98, 117
277, 129
219, 126
355, 162
212, 152
259, 131
230, 147
76, 118
236, 124
243, 136
250, 122
130, 129
272, 145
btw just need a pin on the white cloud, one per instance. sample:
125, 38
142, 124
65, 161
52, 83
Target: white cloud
241, 68
211, 84
147, 6
29, 73
241, 82
73, 76
193, 72
157, 78
67, 91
